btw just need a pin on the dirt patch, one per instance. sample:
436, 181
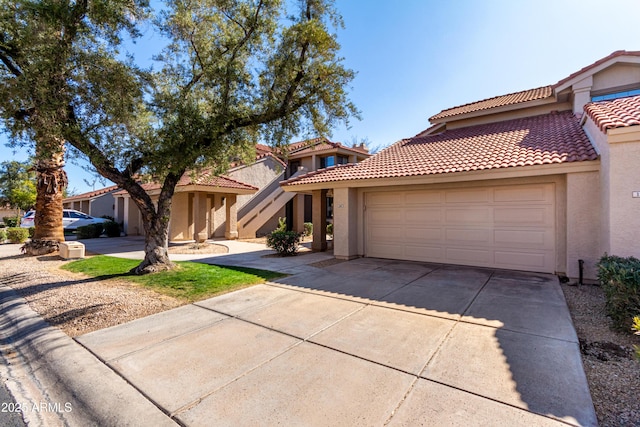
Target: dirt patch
198, 248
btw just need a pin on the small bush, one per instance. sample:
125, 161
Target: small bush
32, 232
620, 280
17, 235
91, 231
308, 228
111, 229
11, 221
284, 242
282, 224
330, 229
3, 235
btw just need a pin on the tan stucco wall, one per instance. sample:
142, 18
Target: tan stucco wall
624, 179
258, 174
181, 206
619, 151
345, 223
103, 205
583, 223
618, 75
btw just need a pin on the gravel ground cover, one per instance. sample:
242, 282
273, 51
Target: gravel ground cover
78, 305
607, 356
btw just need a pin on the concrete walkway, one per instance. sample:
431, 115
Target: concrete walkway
364, 342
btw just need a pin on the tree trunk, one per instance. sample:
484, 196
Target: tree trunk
51, 180
156, 248
156, 226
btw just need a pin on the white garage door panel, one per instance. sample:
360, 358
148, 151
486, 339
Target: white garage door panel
521, 261
509, 227
469, 215
469, 236
531, 216
467, 196
468, 256
415, 215
423, 235
524, 239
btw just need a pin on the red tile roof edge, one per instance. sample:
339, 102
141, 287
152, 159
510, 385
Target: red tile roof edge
615, 113
234, 184
451, 112
541, 92
556, 138
91, 194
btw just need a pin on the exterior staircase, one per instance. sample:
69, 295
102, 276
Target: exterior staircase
263, 206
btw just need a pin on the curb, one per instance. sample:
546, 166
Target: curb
56, 381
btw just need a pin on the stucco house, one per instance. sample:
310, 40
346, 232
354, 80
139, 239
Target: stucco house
97, 203
245, 202
535, 180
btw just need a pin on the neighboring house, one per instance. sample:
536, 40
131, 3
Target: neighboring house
535, 180
246, 201
97, 203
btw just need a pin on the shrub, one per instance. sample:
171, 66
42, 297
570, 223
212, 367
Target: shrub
17, 234
90, 231
111, 229
11, 221
308, 228
282, 224
32, 231
330, 229
284, 242
620, 280
3, 235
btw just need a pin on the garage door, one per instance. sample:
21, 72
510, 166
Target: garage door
511, 227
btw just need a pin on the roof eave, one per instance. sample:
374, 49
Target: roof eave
624, 58
486, 174
495, 110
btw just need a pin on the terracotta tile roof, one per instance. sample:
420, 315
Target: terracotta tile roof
205, 178
498, 101
546, 139
616, 113
92, 194
316, 145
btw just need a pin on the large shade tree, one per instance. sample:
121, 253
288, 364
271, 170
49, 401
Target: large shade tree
53, 55
234, 72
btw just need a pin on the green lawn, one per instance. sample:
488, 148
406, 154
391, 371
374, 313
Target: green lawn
191, 281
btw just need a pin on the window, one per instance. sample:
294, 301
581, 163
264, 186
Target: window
325, 162
343, 160
615, 95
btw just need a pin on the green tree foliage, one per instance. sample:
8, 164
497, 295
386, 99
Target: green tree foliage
17, 185
58, 60
233, 73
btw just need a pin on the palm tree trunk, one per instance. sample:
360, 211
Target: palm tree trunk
51, 180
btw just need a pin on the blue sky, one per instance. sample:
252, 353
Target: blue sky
415, 58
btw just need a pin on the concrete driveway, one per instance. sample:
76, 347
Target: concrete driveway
364, 342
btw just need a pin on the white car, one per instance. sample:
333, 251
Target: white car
71, 219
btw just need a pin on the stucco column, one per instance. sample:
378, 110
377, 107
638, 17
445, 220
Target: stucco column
298, 213
200, 217
125, 216
319, 219
231, 227
345, 216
